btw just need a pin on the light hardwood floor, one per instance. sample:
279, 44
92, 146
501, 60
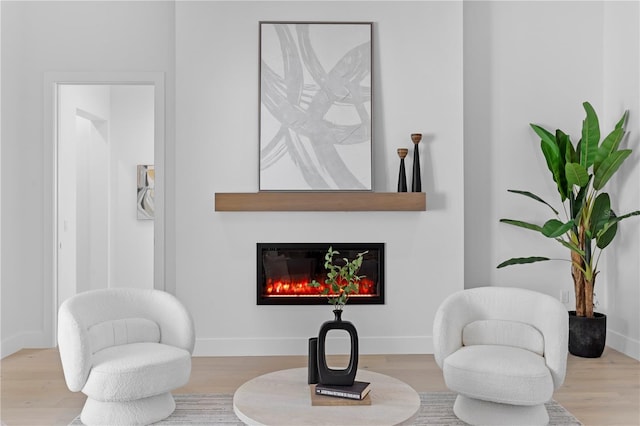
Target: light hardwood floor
601, 391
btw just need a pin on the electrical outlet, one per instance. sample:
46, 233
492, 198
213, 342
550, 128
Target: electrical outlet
564, 296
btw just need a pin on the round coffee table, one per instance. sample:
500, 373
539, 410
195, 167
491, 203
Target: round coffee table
284, 398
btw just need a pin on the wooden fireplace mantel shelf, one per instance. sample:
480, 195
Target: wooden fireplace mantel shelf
320, 201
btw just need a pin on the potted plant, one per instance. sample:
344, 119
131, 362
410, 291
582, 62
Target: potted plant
342, 281
589, 225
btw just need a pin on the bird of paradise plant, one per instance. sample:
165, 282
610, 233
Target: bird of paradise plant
580, 173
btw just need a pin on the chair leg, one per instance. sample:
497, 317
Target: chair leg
477, 412
137, 412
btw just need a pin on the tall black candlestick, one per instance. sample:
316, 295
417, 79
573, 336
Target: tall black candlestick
402, 177
416, 183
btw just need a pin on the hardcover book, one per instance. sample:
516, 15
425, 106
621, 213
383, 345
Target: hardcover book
356, 391
324, 400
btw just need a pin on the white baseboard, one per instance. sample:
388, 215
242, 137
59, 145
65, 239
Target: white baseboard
624, 344
299, 346
29, 339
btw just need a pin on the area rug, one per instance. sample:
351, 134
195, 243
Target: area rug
217, 409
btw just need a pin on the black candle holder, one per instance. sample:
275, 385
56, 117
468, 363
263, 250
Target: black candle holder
416, 183
402, 176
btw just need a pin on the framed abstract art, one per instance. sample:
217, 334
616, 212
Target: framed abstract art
315, 106
146, 177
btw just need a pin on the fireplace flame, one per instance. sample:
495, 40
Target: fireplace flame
276, 288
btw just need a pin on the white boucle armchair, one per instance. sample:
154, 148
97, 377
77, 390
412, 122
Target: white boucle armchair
504, 351
126, 349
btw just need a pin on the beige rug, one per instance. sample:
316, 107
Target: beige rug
217, 409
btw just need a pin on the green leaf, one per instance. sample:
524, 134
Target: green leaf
570, 246
521, 224
576, 175
623, 119
608, 167
606, 236
547, 137
555, 166
624, 216
562, 141
554, 228
609, 144
590, 136
615, 219
570, 155
608, 232
522, 261
555, 161
600, 213
532, 196
579, 201
576, 159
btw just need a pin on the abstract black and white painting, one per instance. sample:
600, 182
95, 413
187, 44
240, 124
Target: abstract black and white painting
315, 106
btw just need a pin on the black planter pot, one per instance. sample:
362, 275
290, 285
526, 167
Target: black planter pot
587, 336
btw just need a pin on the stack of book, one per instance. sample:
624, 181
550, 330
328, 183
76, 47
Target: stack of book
356, 394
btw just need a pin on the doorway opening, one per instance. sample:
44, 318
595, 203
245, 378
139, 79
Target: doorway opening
155, 81
104, 133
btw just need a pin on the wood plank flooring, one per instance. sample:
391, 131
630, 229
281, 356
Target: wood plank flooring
602, 391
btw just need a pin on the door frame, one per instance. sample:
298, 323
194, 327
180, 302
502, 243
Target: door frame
50, 253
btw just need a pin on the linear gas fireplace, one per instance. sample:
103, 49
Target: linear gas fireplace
286, 269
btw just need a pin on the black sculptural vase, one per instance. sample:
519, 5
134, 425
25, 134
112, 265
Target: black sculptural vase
330, 376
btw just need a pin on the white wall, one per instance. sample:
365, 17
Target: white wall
40, 37
77, 105
521, 49
619, 283
536, 62
417, 88
131, 250
92, 216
